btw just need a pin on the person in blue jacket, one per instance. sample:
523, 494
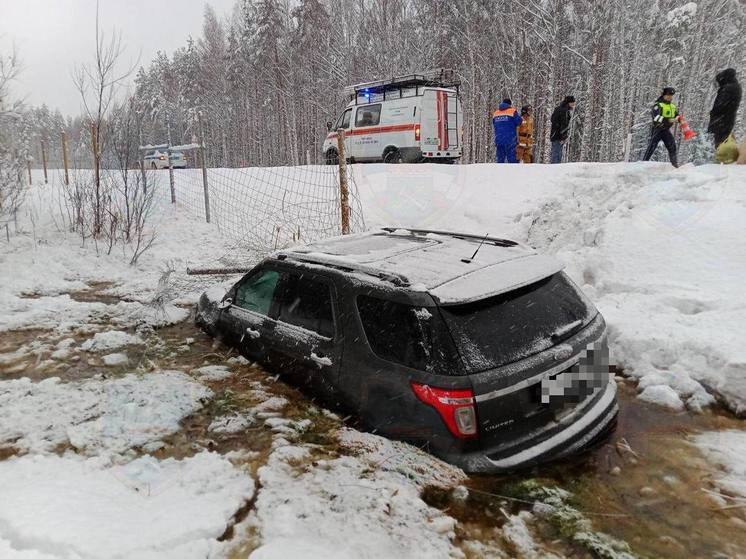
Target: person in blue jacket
505, 121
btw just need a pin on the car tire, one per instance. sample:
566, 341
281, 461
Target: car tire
332, 157
392, 155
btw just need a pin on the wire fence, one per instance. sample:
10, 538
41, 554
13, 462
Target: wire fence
256, 210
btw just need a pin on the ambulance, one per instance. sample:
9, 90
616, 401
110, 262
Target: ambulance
407, 119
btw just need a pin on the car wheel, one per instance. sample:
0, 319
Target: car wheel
392, 155
332, 157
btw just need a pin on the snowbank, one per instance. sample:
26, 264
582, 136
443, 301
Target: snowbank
96, 415
659, 250
69, 507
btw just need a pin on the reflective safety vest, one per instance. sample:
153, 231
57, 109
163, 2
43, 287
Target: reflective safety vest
667, 110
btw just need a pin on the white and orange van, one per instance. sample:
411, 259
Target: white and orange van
414, 118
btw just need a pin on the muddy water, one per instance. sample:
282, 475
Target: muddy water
672, 517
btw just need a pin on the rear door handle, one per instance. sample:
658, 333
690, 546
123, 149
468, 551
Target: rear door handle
320, 360
253, 334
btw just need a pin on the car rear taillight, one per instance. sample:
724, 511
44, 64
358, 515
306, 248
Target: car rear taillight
456, 407
417, 133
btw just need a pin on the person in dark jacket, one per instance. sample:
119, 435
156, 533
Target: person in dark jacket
664, 114
725, 107
561, 127
505, 120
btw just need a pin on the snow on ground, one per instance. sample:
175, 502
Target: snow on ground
299, 511
110, 340
726, 450
55, 506
45, 262
212, 372
96, 415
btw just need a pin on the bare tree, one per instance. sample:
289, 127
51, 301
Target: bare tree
12, 155
99, 84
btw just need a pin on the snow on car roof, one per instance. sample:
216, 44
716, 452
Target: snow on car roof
437, 261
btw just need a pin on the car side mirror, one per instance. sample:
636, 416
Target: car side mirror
328, 125
225, 303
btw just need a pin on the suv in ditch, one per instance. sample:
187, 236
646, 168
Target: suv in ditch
478, 349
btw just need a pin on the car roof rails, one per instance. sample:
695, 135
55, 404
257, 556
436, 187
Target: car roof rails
495, 240
399, 280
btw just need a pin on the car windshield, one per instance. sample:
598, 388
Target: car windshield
508, 327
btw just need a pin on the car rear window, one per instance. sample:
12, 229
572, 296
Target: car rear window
413, 336
508, 327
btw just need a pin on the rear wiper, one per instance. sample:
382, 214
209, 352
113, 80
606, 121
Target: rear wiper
564, 331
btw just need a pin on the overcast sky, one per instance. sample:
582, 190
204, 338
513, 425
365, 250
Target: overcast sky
52, 36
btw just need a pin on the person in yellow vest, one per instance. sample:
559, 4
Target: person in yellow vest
525, 151
664, 114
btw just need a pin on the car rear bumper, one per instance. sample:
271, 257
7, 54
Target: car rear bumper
581, 430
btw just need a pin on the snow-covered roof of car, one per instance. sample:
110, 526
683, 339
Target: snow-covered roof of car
435, 261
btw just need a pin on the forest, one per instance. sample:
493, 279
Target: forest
268, 76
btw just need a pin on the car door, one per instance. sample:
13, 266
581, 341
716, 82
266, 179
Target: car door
303, 341
366, 138
250, 306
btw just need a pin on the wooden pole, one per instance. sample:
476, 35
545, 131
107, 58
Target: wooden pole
344, 192
64, 158
170, 164
44, 162
28, 166
204, 167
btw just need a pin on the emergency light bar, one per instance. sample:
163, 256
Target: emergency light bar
439, 77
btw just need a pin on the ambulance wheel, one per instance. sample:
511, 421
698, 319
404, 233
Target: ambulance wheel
332, 157
392, 155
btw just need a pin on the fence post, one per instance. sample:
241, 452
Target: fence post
64, 157
170, 163
28, 166
204, 166
344, 192
44, 162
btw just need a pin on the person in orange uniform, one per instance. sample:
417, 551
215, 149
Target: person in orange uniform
525, 150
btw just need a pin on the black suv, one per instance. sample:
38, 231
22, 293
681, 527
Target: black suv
479, 349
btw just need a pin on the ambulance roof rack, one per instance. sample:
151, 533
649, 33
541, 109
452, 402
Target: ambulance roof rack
438, 77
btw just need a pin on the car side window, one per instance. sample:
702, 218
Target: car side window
408, 335
307, 303
255, 294
368, 116
346, 119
